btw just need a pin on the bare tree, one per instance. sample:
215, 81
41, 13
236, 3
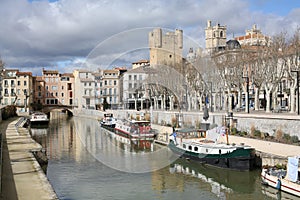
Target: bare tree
293, 56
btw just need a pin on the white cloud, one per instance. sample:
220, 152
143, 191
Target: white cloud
41, 33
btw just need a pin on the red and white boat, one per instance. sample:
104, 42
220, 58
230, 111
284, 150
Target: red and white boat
283, 180
135, 129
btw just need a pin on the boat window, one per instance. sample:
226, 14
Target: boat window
195, 148
220, 151
206, 150
184, 146
190, 147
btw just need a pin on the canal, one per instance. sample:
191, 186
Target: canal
85, 162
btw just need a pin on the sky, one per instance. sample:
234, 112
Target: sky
64, 34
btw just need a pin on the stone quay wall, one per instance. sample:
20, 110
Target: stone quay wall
267, 123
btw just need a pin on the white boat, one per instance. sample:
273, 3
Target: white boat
108, 121
134, 129
283, 180
38, 119
202, 146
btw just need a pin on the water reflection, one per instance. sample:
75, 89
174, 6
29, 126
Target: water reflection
121, 157
74, 144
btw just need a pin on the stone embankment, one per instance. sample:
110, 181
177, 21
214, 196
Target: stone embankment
22, 176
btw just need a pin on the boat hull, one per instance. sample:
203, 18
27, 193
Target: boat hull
39, 123
241, 159
285, 185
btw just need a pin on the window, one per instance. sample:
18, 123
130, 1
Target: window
25, 83
90, 84
62, 87
54, 87
190, 147
109, 82
56, 94
115, 91
84, 84
140, 77
12, 82
195, 148
129, 77
135, 77
5, 83
130, 85
115, 82
105, 82
19, 83
62, 94
184, 146
39, 88
47, 87
39, 94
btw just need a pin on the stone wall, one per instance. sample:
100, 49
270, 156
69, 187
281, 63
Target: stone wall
268, 123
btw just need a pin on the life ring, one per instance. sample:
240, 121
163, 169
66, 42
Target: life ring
148, 144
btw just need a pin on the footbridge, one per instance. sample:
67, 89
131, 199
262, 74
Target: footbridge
68, 109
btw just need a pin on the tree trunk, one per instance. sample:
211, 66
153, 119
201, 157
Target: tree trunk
268, 101
256, 99
293, 100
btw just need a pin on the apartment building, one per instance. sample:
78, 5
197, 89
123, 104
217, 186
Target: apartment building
84, 89
17, 89
134, 88
51, 78
66, 89
38, 85
58, 87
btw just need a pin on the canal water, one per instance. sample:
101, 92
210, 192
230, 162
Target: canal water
86, 162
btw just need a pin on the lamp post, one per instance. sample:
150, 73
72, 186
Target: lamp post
247, 91
151, 109
298, 102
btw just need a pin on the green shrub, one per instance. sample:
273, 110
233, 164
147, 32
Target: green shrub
294, 139
287, 137
257, 133
233, 131
243, 133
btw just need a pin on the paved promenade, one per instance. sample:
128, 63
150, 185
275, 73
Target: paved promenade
22, 177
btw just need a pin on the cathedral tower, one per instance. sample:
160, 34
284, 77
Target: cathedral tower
215, 37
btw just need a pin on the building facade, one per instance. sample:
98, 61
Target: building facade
215, 37
17, 89
166, 49
84, 89
253, 37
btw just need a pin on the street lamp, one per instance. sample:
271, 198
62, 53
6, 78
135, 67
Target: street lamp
298, 103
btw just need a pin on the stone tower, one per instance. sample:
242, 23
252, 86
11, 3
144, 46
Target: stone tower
215, 37
166, 49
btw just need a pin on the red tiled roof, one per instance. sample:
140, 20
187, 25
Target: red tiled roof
24, 73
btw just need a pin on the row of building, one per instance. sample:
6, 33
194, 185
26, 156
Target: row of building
115, 88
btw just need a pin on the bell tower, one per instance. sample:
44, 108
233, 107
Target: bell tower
215, 37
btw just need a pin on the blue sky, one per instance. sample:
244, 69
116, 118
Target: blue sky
62, 34
276, 7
